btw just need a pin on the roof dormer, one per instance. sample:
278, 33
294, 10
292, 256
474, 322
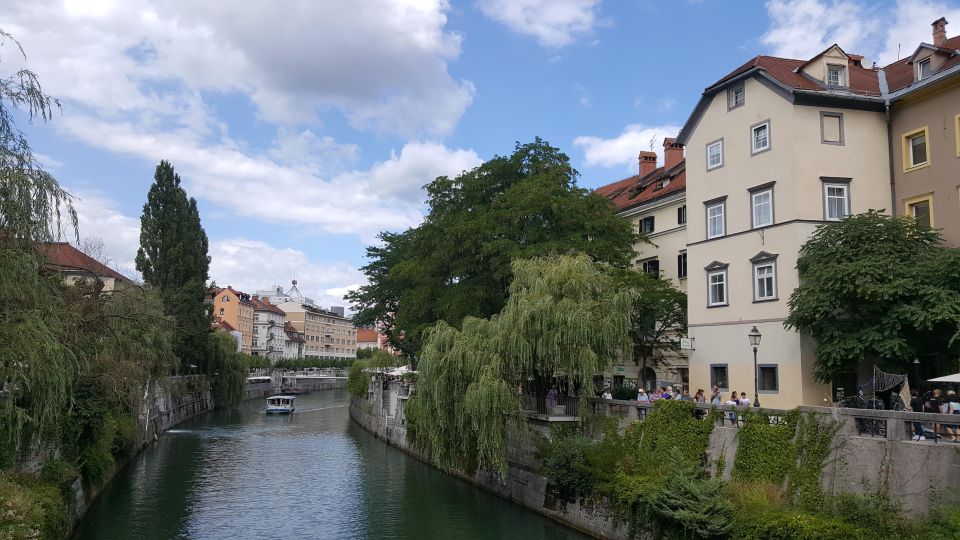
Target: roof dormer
831, 67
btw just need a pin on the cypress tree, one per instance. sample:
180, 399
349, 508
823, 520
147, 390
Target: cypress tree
173, 258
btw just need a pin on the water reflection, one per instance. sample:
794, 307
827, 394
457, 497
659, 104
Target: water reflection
313, 474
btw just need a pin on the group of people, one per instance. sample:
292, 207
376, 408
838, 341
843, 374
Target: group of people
667, 392
938, 403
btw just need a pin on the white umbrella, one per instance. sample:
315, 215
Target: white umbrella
955, 378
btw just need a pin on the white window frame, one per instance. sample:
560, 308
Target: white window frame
826, 200
753, 208
772, 276
732, 96
722, 205
754, 149
841, 75
718, 144
925, 62
721, 283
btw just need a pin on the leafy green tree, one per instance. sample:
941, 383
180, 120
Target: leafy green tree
173, 258
563, 317
458, 262
687, 501
658, 317
876, 288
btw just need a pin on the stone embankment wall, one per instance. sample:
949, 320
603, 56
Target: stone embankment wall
382, 415
872, 452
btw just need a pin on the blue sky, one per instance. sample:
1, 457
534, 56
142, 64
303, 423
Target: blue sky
304, 127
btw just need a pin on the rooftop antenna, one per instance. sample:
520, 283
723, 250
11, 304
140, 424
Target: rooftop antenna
653, 141
898, 51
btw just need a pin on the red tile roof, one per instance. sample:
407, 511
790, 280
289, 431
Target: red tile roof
224, 325
900, 73
636, 190
61, 257
367, 335
292, 333
263, 304
785, 71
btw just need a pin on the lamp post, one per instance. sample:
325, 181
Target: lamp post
754, 337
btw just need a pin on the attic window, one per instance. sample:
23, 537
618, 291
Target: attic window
923, 69
836, 75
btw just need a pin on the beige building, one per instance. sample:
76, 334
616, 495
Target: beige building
654, 200
325, 334
75, 265
774, 149
268, 330
925, 133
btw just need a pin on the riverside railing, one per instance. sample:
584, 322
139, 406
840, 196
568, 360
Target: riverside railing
882, 424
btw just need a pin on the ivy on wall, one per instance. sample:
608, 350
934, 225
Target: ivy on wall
767, 451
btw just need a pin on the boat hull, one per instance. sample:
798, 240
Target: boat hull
271, 410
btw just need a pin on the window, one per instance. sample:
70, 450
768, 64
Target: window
715, 155
716, 221
915, 149
735, 97
718, 376
760, 138
682, 264
221, 312
717, 282
225, 299
921, 209
764, 282
836, 75
650, 266
923, 69
646, 225
762, 204
831, 128
836, 201
767, 379
682, 215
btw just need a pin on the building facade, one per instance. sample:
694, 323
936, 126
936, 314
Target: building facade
75, 265
325, 334
654, 201
367, 338
924, 93
293, 342
236, 308
269, 336
774, 149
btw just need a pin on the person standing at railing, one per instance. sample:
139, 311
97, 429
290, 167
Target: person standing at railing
952, 406
716, 397
699, 397
642, 396
657, 395
916, 403
552, 398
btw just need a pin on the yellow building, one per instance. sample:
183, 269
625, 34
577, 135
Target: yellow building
236, 309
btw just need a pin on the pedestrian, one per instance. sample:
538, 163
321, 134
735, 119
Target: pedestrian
952, 406
686, 396
656, 396
916, 403
716, 397
668, 392
607, 394
642, 396
733, 401
744, 400
699, 397
552, 398
932, 405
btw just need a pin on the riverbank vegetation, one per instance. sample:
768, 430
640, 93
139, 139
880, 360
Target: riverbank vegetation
358, 379
655, 477
563, 316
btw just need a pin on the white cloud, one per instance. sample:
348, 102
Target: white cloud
623, 149
803, 28
553, 23
363, 202
98, 218
383, 64
252, 265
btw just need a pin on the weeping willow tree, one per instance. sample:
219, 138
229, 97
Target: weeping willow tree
564, 317
36, 364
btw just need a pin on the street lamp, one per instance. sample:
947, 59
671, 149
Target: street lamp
754, 337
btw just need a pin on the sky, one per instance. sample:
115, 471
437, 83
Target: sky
303, 128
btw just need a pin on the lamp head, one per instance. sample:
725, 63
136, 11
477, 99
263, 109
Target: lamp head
754, 337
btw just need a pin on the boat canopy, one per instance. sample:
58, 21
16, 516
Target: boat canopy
282, 397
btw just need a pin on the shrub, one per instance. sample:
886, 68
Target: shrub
624, 392
766, 451
563, 459
689, 502
30, 508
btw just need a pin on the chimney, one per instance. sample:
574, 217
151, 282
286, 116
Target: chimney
940, 32
672, 152
648, 162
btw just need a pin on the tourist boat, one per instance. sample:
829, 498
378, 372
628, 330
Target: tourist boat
280, 404
293, 390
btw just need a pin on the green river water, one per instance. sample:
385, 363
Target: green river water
314, 474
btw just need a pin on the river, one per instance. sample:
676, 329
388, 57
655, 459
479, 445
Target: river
241, 474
